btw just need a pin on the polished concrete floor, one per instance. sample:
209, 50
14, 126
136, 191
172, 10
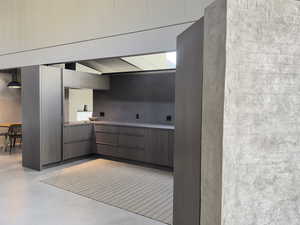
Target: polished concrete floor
24, 200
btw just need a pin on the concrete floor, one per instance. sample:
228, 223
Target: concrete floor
24, 200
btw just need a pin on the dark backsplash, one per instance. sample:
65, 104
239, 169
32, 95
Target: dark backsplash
138, 98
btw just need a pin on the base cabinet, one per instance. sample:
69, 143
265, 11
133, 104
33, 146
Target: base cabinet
149, 145
78, 141
108, 150
77, 149
158, 147
171, 147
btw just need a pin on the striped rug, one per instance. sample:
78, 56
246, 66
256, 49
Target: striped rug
144, 191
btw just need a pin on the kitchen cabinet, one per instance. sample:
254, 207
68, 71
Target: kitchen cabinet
77, 149
171, 147
148, 144
78, 140
158, 147
77, 133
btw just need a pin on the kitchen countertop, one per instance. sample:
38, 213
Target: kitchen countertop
78, 123
142, 125
125, 124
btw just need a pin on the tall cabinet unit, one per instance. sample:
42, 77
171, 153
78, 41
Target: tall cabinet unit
45, 138
42, 116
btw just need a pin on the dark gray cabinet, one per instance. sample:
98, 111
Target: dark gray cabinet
78, 133
41, 115
77, 149
149, 145
123, 142
78, 141
171, 147
108, 150
158, 147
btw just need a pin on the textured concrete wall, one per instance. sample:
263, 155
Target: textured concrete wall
261, 153
10, 102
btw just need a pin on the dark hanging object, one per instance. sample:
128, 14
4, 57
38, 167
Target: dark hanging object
14, 82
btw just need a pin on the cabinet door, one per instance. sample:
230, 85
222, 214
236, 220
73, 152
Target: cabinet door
171, 148
158, 147
188, 121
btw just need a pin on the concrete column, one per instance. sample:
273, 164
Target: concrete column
261, 138
251, 132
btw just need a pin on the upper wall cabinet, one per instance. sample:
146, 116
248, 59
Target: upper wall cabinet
74, 79
31, 24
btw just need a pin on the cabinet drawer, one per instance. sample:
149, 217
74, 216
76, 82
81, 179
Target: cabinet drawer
73, 150
77, 133
129, 141
131, 153
106, 129
132, 131
106, 138
106, 150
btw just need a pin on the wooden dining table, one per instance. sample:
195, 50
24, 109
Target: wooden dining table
7, 125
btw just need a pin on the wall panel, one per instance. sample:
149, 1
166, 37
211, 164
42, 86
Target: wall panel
149, 95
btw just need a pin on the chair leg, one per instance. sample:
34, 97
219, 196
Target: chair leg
5, 143
10, 144
15, 139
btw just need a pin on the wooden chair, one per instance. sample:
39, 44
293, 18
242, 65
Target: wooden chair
5, 135
14, 133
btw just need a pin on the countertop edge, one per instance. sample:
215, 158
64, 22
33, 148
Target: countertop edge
122, 124
73, 124
139, 125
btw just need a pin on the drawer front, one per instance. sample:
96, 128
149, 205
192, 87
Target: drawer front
107, 150
73, 150
129, 141
131, 153
106, 138
78, 133
132, 131
106, 129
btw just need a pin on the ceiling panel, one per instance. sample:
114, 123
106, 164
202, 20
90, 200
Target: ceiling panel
160, 61
110, 65
152, 62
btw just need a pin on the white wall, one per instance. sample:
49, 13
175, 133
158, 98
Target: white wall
77, 99
34, 25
